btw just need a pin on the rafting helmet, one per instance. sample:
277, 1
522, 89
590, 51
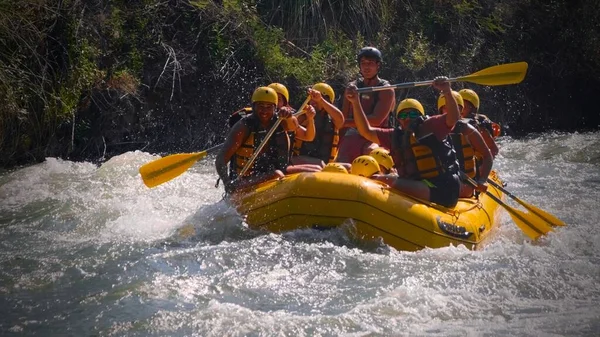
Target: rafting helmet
470, 96
281, 89
365, 166
442, 100
335, 167
264, 94
410, 103
370, 52
325, 90
383, 157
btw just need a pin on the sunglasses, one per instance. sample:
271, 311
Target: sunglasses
409, 114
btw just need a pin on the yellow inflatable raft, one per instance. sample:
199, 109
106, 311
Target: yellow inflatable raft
327, 199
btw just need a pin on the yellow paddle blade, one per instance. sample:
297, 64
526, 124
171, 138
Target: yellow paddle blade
551, 219
164, 169
502, 74
532, 226
554, 221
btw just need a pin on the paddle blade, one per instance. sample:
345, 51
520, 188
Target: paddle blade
164, 169
532, 226
502, 74
554, 221
551, 219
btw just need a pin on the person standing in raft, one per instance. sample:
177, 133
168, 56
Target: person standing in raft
328, 121
376, 105
248, 133
421, 147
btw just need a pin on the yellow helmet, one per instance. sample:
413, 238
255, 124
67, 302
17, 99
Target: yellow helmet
365, 166
335, 167
281, 89
471, 96
410, 103
326, 90
264, 94
383, 157
442, 100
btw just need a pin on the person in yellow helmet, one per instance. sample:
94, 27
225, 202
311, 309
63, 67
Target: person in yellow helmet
483, 124
385, 160
365, 166
421, 147
469, 144
283, 95
247, 134
327, 122
377, 106
283, 98
304, 132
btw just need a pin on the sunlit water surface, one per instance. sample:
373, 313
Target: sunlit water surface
87, 250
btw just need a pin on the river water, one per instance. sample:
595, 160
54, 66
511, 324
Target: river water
88, 250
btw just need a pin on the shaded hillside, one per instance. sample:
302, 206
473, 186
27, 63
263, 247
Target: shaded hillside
90, 79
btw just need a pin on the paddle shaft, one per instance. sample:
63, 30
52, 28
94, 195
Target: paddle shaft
502, 74
402, 85
216, 147
268, 136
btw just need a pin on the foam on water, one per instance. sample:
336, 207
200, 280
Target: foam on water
91, 250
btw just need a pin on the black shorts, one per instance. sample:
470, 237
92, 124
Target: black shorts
445, 191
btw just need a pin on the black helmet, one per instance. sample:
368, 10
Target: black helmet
370, 52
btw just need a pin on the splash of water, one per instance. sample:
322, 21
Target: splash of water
92, 249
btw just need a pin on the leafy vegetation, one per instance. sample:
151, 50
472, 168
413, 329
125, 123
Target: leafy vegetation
86, 80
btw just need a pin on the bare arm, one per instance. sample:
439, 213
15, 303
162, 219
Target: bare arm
235, 138
480, 147
346, 106
441, 83
385, 104
290, 123
307, 131
362, 124
490, 142
336, 115
381, 112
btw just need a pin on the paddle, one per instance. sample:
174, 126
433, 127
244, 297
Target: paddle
510, 73
166, 168
267, 137
551, 219
533, 227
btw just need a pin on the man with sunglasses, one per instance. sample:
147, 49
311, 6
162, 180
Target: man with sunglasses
376, 105
421, 147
